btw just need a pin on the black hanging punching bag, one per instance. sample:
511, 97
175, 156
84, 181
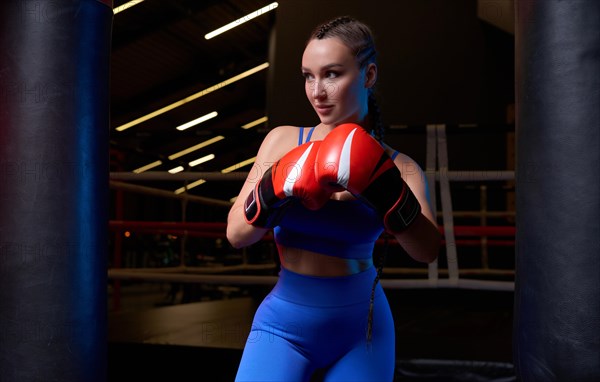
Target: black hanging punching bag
557, 297
54, 126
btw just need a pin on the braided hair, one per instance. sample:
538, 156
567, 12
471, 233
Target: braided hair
358, 37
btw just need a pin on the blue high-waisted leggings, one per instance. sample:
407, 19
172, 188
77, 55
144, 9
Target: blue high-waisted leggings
312, 323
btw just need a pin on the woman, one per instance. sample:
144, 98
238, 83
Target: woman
330, 192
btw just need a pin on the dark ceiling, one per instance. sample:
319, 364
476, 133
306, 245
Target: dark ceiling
160, 56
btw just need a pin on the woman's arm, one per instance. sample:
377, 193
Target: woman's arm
354, 159
277, 142
421, 240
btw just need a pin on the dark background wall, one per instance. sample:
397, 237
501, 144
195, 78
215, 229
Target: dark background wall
438, 62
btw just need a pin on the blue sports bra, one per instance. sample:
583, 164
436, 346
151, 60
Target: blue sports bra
346, 229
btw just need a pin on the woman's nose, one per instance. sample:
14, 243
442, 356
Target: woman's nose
319, 90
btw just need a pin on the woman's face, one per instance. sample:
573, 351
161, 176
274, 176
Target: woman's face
334, 84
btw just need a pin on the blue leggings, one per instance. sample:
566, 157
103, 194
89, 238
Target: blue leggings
312, 323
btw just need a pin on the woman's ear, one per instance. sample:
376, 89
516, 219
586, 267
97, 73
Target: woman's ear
370, 75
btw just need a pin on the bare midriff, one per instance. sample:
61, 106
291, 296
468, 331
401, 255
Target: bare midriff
316, 264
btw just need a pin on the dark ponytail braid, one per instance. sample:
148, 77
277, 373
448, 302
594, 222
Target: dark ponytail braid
377, 126
358, 37
377, 130
323, 30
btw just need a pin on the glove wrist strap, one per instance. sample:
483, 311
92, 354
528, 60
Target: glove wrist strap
390, 195
262, 207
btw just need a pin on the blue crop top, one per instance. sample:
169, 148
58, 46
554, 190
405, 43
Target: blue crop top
346, 229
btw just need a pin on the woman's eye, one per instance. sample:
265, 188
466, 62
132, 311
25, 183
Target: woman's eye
331, 74
307, 76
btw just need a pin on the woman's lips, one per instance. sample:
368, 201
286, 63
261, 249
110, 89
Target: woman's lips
323, 109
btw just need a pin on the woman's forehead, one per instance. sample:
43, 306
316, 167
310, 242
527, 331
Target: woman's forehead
325, 52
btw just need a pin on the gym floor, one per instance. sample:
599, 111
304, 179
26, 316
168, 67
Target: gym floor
452, 331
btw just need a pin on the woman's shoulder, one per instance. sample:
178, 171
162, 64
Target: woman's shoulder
401, 159
283, 134
279, 140
282, 131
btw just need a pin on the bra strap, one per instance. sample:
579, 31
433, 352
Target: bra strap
310, 133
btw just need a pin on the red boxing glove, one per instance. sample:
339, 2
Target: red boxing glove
293, 176
349, 158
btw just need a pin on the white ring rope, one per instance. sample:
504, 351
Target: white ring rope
129, 274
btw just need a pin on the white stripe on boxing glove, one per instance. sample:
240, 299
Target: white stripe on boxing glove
343, 175
292, 176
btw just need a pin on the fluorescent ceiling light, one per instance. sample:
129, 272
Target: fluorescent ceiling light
147, 167
240, 21
205, 158
194, 97
238, 165
196, 147
189, 186
254, 123
197, 121
125, 6
176, 170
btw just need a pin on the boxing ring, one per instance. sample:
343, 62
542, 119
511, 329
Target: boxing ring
433, 276
444, 273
